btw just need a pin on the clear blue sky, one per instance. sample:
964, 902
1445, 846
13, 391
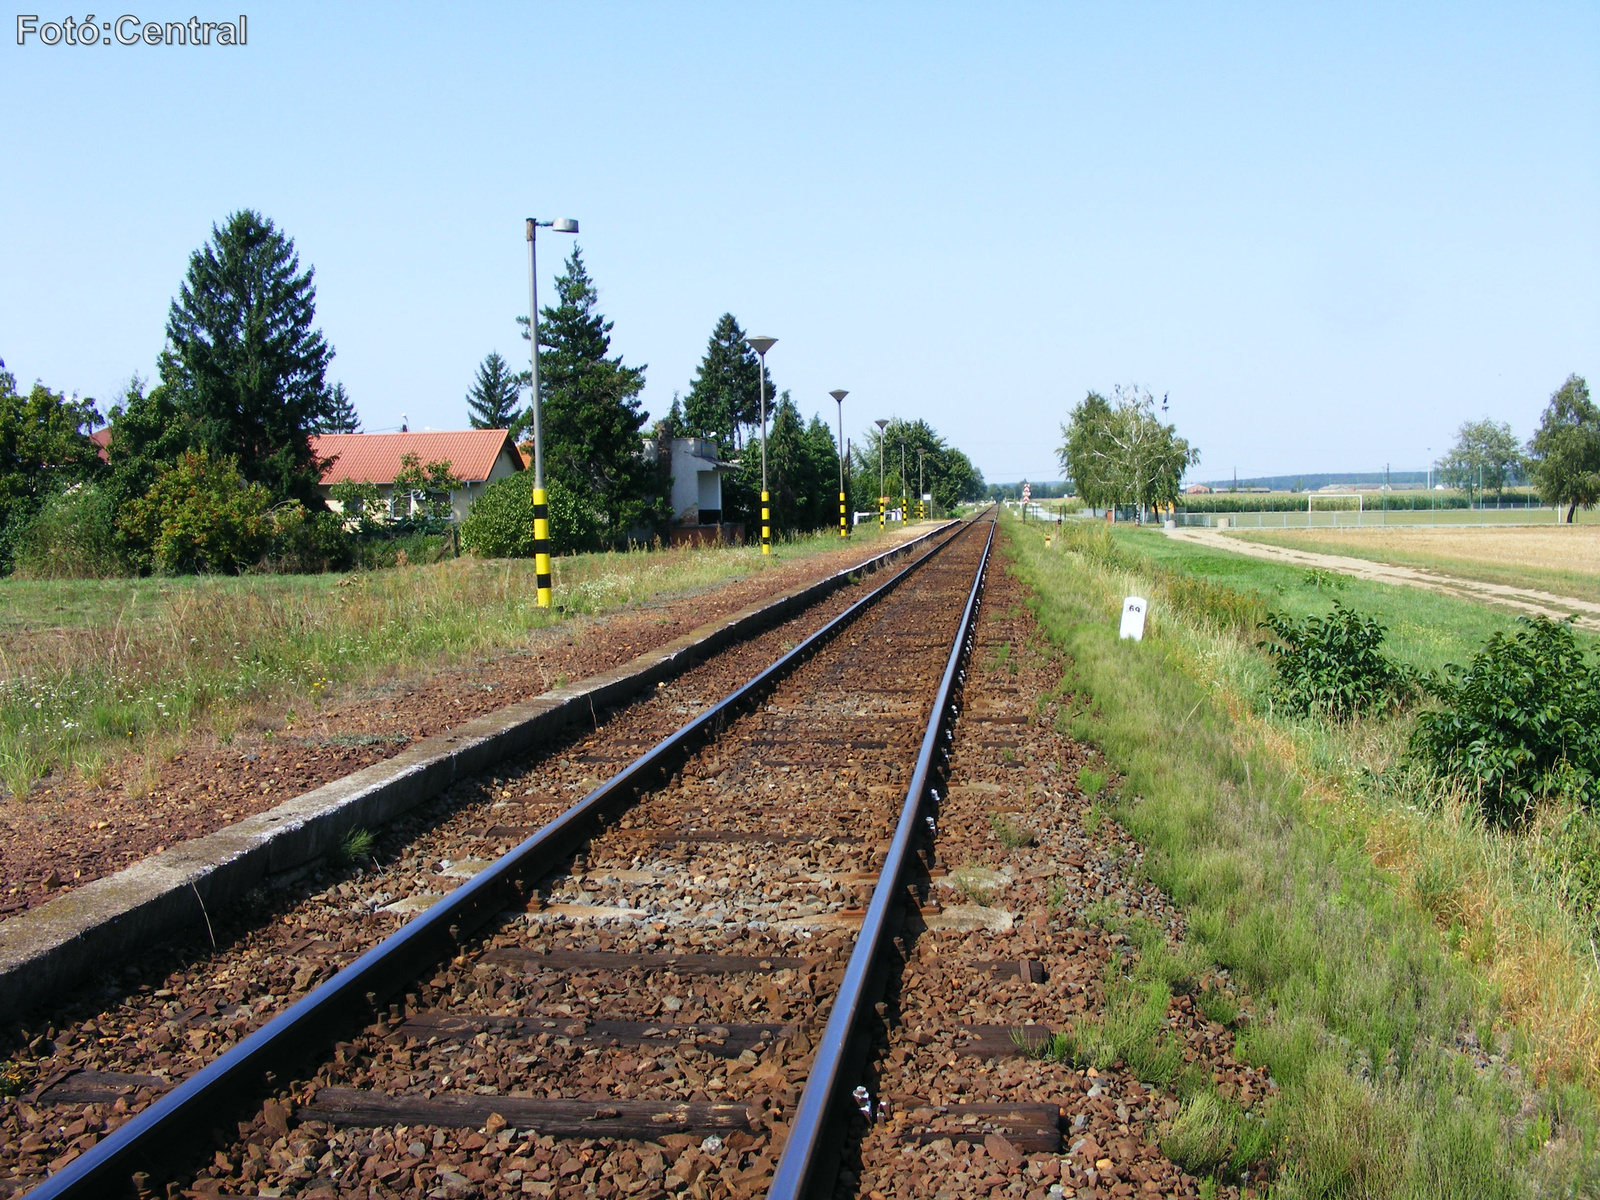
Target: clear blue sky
1330, 232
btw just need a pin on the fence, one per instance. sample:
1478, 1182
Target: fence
1353, 518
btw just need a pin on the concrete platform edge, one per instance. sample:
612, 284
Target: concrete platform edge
61, 944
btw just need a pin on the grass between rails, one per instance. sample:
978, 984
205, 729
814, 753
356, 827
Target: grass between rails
1561, 559
1367, 1017
90, 669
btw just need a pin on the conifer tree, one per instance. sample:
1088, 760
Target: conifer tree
338, 414
725, 395
492, 399
246, 366
591, 415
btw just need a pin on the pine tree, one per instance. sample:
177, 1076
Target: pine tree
338, 414
591, 416
725, 395
247, 367
492, 400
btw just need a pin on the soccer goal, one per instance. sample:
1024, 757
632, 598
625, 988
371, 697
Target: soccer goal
1313, 497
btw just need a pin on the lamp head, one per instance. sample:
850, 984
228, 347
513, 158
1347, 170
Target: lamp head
881, 423
565, 225
839, 394
761, 344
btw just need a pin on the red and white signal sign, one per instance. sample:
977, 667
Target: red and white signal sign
1027, 492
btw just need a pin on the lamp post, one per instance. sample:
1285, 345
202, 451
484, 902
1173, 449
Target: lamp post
905, 508
541, 502
922, 512
838, 395
761, 345
882, 499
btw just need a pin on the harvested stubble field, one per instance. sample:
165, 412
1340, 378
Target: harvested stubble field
1564, 559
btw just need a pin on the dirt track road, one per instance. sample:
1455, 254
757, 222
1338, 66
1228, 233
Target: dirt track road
1528, 600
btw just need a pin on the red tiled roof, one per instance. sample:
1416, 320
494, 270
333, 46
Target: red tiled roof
102, 441
375, 457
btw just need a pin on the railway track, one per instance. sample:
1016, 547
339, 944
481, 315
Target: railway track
655, 962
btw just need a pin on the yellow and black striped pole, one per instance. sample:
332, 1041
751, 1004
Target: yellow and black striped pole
761, 345
541, 502
883, 503
844, 526
541, 545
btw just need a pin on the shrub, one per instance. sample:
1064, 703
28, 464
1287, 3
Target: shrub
200, 515
1335, 665
1520, 723
308, 542
500, 524
74, 536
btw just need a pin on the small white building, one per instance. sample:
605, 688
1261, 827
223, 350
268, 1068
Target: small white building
697, 481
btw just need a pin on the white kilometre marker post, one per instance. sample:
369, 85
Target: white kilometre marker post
1133, 611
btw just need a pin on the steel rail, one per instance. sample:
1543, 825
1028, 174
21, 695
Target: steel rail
813, 1134
216, 1092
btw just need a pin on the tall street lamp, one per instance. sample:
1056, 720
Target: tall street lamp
839, 394
921, 486
761, 345
541, 502
905, 508
882, 499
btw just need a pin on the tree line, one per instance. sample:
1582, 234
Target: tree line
592, 426
1117, 453
210, 466
1561, 459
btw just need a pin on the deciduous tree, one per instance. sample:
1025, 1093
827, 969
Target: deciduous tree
1118, 452
947, 472
1566, 449
44, 445
1486, 457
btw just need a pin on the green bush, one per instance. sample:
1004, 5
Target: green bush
200, 515
1518, 724
500, 524
306, 542
1333, 666
74, 536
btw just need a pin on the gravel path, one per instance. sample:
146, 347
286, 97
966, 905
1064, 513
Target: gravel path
1528, 600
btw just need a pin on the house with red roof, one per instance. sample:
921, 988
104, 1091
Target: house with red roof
477, 457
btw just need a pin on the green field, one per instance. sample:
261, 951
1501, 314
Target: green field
1376, 926
1425, 628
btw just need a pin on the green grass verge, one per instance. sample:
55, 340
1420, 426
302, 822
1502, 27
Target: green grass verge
1426, 629
1363, 1014
89, 668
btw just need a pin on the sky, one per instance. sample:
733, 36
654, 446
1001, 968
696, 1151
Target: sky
1327, 233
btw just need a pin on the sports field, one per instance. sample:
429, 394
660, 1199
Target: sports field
1563, 559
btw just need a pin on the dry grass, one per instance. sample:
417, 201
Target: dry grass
1563, 559
93, 670
1536, 957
